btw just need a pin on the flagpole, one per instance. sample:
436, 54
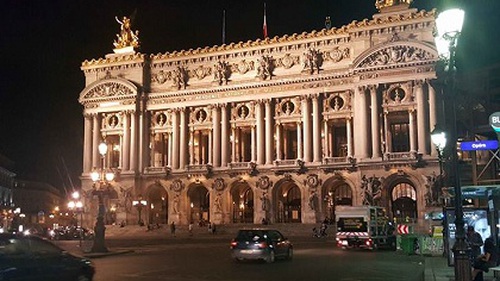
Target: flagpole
264, 26
223, 27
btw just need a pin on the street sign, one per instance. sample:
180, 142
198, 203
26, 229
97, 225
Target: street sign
403, 229
495, 121
479, 145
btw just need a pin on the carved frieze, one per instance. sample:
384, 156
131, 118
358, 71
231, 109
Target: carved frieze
396, 54
202, 71
109, 89
287, 61
243, 66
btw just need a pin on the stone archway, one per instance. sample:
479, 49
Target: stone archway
199, 204
158, 205
242, 203
335, 193
404, 202
288, 203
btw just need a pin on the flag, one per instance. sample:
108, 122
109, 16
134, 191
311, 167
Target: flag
264, 26
223, 27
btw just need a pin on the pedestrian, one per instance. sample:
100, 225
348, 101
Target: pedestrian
172, 228
475, 242
213, 228
190, 228
209, 227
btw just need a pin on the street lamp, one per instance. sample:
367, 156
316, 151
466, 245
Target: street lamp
76, 205
139, 204
101, 180
449, 26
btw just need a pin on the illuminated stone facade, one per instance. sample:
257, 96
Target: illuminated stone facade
281, 129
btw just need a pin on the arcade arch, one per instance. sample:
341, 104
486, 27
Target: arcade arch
288, 203
335, 194
199, 203
158, 205
242, 203
404, 202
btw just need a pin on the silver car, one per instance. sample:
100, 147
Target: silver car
260, 244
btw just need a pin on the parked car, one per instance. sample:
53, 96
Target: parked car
32, 258
71, 233
260, 244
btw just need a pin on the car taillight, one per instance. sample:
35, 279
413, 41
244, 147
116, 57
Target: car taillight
262, 245
233, 244
368, 242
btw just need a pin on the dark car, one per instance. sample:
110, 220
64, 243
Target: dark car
260, 244
30, 258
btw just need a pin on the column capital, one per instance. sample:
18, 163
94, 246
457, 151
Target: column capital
418, 83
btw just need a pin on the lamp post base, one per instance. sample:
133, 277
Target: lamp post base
461, 254
99, 245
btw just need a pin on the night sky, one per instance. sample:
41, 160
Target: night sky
44, 42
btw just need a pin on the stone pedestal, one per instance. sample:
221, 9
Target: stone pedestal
218, 218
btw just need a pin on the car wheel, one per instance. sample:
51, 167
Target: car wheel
271, 257
289, 256
83, 277
237, 260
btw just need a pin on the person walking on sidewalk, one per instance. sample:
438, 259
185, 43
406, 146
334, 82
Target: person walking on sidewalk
172, 228
190, 228
475, 242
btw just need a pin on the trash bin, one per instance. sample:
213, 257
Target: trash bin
410, 244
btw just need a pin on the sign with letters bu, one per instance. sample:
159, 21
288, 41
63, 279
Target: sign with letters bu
479, 145
495, 121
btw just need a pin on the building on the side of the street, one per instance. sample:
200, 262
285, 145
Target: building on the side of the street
7, 180
37, 203
281, 129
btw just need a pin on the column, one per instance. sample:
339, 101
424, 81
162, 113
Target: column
278, 141
87, 144
133, 141
422, 130
183, 139
120, 164
316, 131
191, 147
153, 150
170, 147
432, 114
253, 148
269, 133
375, 123
306, 117
387, 140
349, 136
96, 136
326, 148
175, 140
299, 141
360, 123
233, 144
126, 141
143, 139
260, 133
224, 135
210, 159
413, 138
216, 135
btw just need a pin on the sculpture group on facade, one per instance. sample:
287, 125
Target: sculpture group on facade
127, 37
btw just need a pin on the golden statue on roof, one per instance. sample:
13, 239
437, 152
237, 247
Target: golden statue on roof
383, 4
127, 40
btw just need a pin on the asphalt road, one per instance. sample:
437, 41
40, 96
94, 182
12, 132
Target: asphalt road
194, 259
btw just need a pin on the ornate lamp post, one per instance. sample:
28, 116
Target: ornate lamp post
449, 26
101, 180
76, 205
139, 204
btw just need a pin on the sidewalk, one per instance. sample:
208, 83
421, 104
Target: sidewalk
437, 269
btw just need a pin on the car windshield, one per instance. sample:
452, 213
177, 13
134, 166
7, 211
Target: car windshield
251, 235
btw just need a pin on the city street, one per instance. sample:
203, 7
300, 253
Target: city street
208, 258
